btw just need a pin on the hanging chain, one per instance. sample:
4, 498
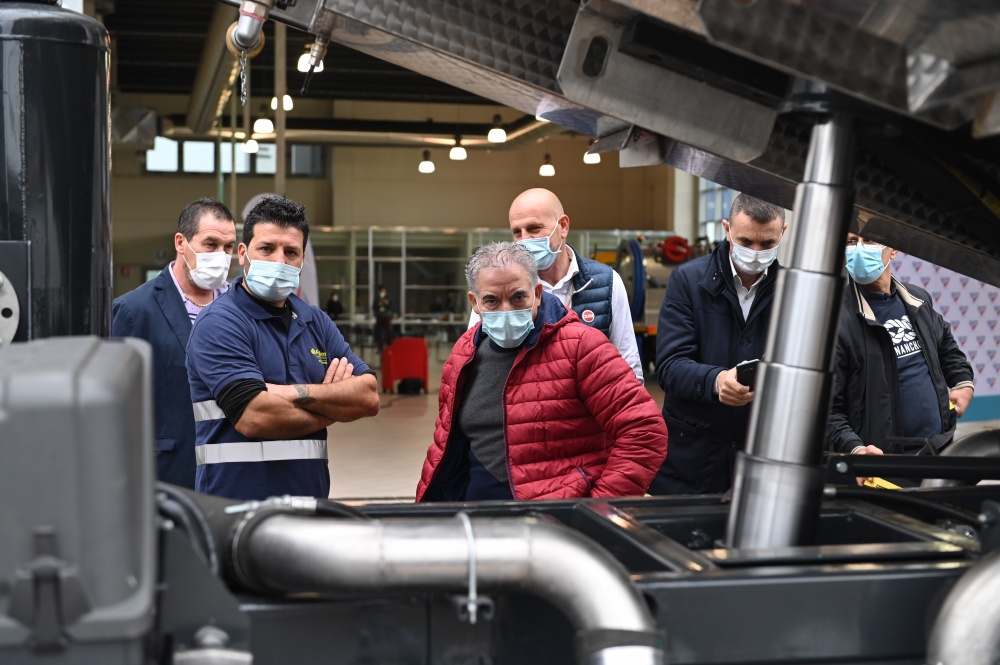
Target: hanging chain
243, 78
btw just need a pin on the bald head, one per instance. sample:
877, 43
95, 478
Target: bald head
537, 213
536, 202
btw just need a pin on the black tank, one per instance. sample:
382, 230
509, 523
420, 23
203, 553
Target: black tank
55, 208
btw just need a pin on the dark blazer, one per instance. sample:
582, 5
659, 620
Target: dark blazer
701, 333
155, 312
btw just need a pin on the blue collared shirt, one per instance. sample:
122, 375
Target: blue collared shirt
237, 338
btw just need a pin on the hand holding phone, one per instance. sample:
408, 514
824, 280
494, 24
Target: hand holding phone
746, 372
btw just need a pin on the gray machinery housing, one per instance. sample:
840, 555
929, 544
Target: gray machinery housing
824, 107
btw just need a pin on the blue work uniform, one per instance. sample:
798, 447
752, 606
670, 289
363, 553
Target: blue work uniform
237, 338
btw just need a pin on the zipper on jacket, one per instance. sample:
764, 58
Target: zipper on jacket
506, 442
454, 402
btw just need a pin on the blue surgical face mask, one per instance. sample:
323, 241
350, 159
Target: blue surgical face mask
508, 330
272, 281
864, 263
539, 248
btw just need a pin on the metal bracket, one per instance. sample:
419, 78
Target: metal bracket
595, 73
470, 606
47, 594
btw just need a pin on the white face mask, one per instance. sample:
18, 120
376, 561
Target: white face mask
752, 262
211, 269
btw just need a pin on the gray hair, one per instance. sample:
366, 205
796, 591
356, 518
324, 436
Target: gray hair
759, 211
500, 255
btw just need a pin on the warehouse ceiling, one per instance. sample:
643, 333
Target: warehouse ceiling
158, 46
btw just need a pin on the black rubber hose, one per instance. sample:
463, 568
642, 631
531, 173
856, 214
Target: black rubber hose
169, 508
876, 495
329, 508
206, 534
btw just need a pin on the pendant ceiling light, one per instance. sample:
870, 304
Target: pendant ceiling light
497, 134
546, 169
458, 153
426, 166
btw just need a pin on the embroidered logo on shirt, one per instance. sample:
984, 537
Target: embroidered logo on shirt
587, 316
319, 355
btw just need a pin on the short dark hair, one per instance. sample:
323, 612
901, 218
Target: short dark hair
277, 210
187, 223
759, 211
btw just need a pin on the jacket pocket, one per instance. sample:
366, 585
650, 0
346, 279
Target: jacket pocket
166, 444
685, 430
693, 455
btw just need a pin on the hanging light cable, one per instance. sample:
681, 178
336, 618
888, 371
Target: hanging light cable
590, 157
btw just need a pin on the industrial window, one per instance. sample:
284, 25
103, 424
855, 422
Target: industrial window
267, 159
306, 160
242, 159
714, 202
198, 157
163, 157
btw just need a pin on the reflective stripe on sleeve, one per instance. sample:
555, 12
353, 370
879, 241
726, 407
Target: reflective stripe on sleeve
260, 451
207, 410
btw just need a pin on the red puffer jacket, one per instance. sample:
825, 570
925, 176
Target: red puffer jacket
577, 421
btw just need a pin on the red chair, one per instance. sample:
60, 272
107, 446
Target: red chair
387, 383
405, 358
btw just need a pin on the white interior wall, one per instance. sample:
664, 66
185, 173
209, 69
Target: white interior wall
380, 186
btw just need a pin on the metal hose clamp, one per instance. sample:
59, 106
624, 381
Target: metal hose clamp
471, 605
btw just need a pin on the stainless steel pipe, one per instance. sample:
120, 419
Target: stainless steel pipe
966, 629
289, 554
776, 492
253, 15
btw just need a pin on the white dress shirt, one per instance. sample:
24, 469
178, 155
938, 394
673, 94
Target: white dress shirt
743, 294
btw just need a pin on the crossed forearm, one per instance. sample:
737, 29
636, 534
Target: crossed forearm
271, 417
345, 400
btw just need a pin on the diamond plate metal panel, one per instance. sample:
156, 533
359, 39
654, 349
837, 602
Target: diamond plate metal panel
823, 48
518, 38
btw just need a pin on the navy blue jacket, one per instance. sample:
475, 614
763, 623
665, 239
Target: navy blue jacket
592, 289
155, 312
702, 333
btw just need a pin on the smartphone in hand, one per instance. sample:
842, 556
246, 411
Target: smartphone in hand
746, 372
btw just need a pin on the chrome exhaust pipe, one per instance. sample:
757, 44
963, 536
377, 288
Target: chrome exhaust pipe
286, 553
965, 632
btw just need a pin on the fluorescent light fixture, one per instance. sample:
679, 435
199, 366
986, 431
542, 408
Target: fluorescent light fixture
591, 158
546, 169
288, 103
263, 126
303, 64
426, 166
497, 134
251, 147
